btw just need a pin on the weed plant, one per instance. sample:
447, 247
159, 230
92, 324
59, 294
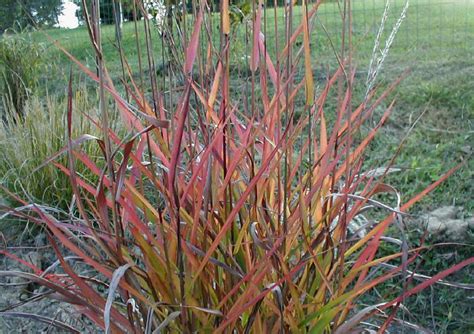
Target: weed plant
233, 211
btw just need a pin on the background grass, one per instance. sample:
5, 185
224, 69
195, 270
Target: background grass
434, 43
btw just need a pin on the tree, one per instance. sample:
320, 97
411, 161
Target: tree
127, 10
107, 12
125, 7
8, 12
29, 12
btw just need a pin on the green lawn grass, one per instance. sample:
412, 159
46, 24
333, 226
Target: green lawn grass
434, 42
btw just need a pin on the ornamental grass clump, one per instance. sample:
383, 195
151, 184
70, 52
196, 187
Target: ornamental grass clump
25, 145
230, 208
20, 64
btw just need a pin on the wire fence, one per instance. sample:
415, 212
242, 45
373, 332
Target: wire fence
431, 30
439, 24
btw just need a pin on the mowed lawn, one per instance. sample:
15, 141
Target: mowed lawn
435, 42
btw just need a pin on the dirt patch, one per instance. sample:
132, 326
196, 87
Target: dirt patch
27, 307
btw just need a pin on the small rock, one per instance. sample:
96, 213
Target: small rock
466, 149
444, 224
445, 212
470, 223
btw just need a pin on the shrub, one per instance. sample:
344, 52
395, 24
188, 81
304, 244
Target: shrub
224, 211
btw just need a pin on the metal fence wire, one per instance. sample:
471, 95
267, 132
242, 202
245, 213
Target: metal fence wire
431, 28
439, 24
